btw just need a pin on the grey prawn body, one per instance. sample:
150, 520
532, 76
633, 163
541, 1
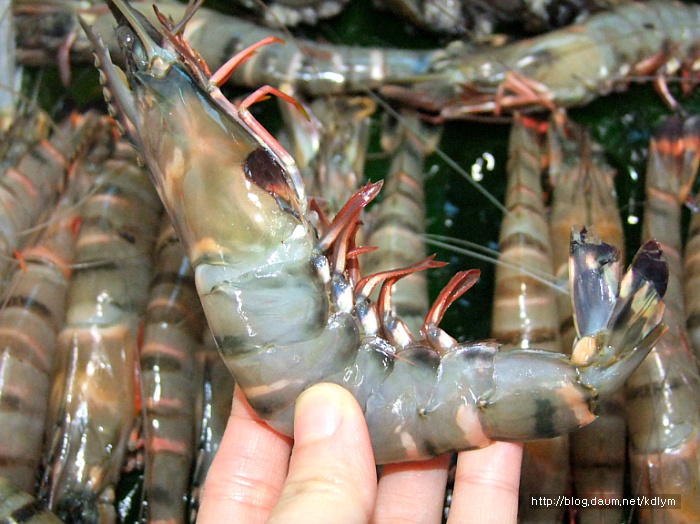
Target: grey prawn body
284, 299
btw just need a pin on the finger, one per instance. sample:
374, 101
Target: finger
247, 474
412, 492
332, 477
486, 485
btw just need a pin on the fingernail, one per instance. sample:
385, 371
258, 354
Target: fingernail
318, 413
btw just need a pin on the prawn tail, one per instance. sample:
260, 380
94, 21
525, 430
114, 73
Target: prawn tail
614, 335
674, 157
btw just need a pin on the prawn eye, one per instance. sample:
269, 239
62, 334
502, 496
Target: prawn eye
131, 48
125, 38
262, 168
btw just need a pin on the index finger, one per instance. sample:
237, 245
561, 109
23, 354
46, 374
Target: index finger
486, 485
247, 474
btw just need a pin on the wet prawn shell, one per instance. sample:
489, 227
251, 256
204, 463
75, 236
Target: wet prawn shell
24, 389
168, 385
100, 361
262, 298
28, 328
496, 400
28, 341
668, 472
102, 290
273, 379
392, 408
514, 406
173, 297
242, 219
18, 507
645, 432
251, 314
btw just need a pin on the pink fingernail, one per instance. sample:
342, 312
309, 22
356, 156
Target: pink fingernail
318, 413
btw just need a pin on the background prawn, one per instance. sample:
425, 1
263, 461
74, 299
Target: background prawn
173, 324
563, 68
91, 411
32, 314
584, 193
663, 395
567, 67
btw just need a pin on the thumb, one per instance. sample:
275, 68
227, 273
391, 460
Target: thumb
332, 477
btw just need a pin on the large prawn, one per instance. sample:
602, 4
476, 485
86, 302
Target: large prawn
570, 66
90, 412
584, 193
663, 451
287, 307
567, 67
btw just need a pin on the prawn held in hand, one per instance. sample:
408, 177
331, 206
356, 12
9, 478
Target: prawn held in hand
288, 308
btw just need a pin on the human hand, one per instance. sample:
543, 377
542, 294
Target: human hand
331, 477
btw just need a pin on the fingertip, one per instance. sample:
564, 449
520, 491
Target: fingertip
320, 411
486, 485
332, 476
412, 491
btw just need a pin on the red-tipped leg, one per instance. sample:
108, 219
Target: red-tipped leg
365, 286
454, 289
257, 128
347, 216
524, 92
262, 94
64, 57
20, 258
225, 71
